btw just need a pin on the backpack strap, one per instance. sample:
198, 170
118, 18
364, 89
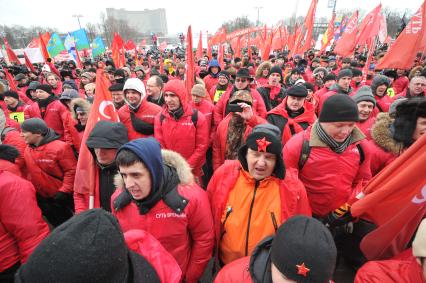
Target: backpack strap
304, 153
361, 153
194, 117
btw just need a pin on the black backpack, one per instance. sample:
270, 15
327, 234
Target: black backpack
306, 150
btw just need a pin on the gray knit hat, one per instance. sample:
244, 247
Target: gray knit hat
364, 93
344, 73
35, 126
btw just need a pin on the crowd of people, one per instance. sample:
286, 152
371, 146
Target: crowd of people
255, 170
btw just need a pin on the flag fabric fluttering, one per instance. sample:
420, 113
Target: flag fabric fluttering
102, 109
10, 53
55, 45
304, 38
98, 47
369, 26
80, 39
410, 41
199, 53
117, 47
395, 200
43, 48
10, 80
346, 43
190, 65
328, 35
28, 63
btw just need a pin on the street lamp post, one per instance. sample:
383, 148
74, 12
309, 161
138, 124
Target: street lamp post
258, 11
78, 19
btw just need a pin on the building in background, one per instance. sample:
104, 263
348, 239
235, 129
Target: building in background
144, 22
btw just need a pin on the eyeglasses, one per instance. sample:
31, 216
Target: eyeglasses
240, 80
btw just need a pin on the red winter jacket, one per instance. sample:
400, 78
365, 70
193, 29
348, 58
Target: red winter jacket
146, 112
22, 227
8, 166
258, 106
389, 271
400, 84
151, 249
207, 108
189, 140
219, 142
329, 178
13, 137
291, 126
188, 236
236, 271
365, 126
55, 115
51, 167
293, 196
210, 82
383, 104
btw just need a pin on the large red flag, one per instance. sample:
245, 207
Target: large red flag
329, 33
11, 81
238, 48
209, 47
10, 53
117, 47
395, 200
28, 63
102, 109
43, 48
130, 45
199, 53
304, 38
189, 72
369, 26
221, 56
346, 43
410, 41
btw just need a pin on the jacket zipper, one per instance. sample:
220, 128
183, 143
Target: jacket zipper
274, 221
222, 232
249, 218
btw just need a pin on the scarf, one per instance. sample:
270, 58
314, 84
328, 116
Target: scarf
176, 114
43, 103
335, 146
274, 91
234, 137
13, 109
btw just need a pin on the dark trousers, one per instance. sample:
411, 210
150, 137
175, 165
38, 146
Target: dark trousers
208, 168
56, 212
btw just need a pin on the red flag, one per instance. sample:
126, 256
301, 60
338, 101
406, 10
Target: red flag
161, 64
102, 109
78, 59
28, 63
199, 53
267, 47
328, 35
209, 47
130, 45
369, 26
249, 46
411, 40
395, 200
304, 38
346, 43
190, 66
371, 47
221, 56
238, 48
43, 48
11, 81
116, 47
10, 53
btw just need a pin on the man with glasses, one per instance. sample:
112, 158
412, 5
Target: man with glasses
415, 88
242, 82
154, 89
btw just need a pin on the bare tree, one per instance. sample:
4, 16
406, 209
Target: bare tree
92, 31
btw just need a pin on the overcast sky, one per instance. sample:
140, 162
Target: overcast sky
202, 15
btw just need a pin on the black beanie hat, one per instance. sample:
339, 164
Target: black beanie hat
267, 138
35, 126
298, 90
276, 69
344, 73
8, 152
339, 108
89, 247
224, 74
116, 87
330, 77
356, 72
46, 88
303, 250
11, 93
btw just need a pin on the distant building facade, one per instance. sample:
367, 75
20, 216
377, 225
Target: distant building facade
145, 21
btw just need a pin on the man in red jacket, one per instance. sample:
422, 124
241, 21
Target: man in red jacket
415, 88
48, 108
14, 105
138, 114
159, 195
365, 101
251, 196
51, 168
294, 114
22, 226
181, 128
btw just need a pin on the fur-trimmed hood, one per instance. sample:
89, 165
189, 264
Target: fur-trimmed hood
263, 66
382, 136
172, 159
79, 102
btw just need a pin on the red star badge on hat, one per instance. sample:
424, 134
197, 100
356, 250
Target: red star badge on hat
262, 144
302, 269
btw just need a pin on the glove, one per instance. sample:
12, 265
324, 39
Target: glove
339, 216
61, 197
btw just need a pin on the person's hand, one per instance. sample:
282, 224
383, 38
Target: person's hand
339, 216
247, 113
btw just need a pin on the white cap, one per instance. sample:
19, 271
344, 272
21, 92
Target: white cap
135, 84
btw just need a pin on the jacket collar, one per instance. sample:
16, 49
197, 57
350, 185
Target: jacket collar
315, 140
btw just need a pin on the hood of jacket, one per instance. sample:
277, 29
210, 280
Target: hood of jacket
260, 262
82, 103
382, 135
